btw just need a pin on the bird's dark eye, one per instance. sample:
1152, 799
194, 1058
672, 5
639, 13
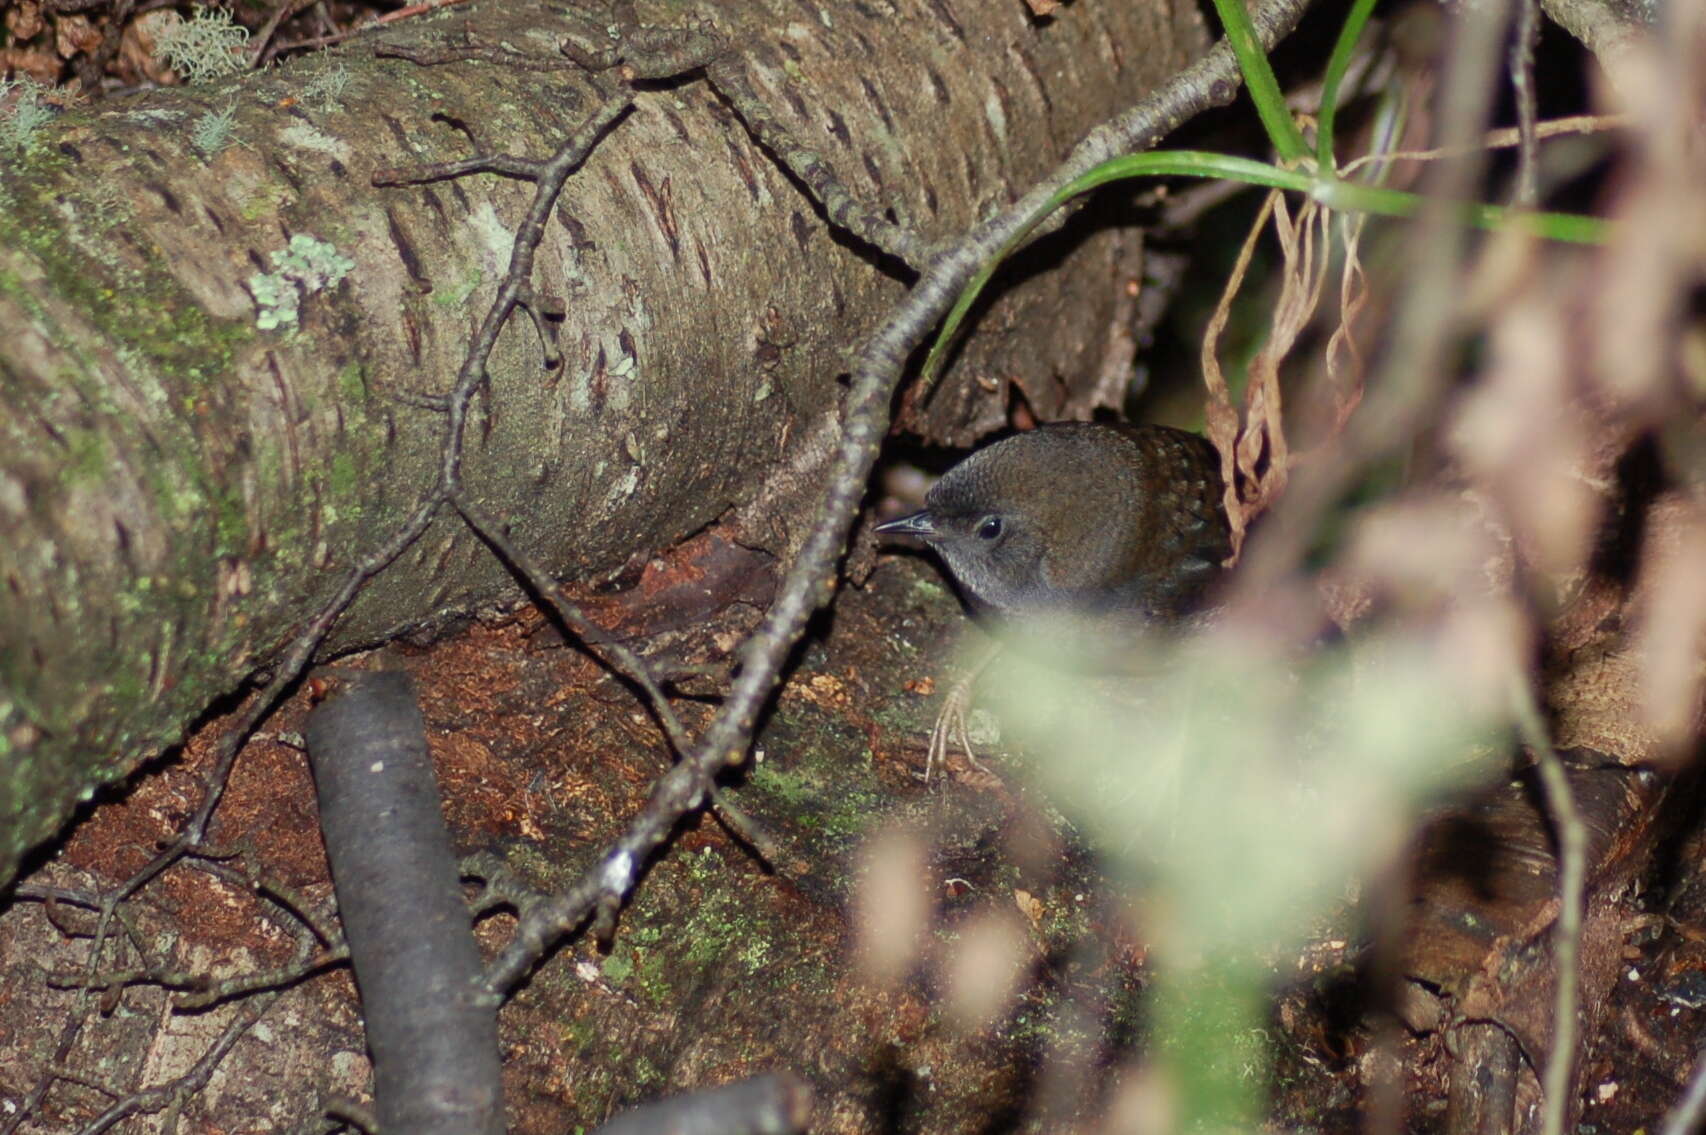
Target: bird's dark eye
990, 529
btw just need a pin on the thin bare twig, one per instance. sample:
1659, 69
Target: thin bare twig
808, 584
550, 176
660, 52
461, 53
810, 580
173, 1092
1527, 33
839, 204
261, 52
613, 654
1501, 139
1572, 874
403, 13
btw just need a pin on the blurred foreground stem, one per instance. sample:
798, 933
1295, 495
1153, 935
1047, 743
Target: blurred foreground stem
1215, 1049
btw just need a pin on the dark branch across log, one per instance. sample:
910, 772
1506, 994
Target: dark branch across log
218, 368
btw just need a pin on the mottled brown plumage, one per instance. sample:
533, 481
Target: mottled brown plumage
1073, 531
1081, 518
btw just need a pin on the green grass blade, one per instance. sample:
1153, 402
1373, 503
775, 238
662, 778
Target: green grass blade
1259, 80
1345, 196
1159, 163
1337, 63
1350, 196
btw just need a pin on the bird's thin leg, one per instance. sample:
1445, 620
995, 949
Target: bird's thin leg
951, 721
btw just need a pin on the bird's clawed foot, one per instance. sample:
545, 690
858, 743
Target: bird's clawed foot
951, 727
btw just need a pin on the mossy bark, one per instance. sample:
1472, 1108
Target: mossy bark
184, 477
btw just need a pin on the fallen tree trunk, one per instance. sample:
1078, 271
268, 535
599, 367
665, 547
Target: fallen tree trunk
219, 353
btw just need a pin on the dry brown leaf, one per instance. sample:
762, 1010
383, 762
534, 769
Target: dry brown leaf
1255, 454
38, 63
1220, 416
23, 20
1030, 906
75, 35
1347, 377
137, 46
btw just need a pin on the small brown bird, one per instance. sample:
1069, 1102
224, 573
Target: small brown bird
1121, 524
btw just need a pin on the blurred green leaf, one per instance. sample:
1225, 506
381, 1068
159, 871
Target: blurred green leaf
1245, 787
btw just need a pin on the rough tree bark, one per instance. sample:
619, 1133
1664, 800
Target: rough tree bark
185, 468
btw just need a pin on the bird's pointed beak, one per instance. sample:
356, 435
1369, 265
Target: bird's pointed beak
920, 524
